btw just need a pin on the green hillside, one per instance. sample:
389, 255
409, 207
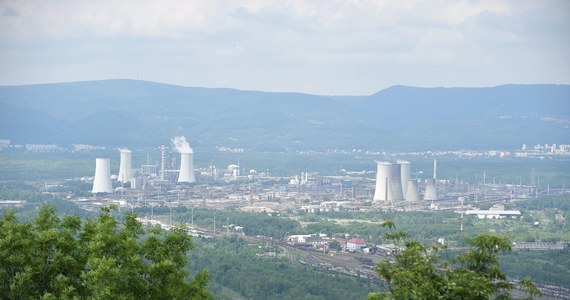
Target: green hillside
139, 113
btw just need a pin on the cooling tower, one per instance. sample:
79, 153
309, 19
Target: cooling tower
395, 182
383, 190
431, 192
125, 168
405, 174
186, 168
412, 194
102, 181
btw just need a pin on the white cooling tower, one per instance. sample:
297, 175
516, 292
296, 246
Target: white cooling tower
102, 181
125, 168
431, 192
405, 174
412, 194
186, 168
383, 189
395, 182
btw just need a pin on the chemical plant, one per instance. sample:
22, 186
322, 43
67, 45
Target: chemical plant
394, 187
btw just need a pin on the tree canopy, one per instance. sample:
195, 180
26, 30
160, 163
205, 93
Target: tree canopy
101, 258
418, 272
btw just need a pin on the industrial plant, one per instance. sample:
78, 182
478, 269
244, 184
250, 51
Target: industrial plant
175, 181
393, 184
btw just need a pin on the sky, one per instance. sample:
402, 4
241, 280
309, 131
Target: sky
327, 47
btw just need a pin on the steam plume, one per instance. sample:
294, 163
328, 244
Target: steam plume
181, 145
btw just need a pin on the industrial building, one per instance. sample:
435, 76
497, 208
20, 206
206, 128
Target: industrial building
494, 214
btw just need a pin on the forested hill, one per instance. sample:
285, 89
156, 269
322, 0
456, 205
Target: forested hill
139, 113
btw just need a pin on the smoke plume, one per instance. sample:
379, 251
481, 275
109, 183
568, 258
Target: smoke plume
181, 145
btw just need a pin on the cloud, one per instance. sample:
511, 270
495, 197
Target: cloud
337, 46
10, 12
178, 19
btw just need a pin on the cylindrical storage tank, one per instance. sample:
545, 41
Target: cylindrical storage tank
125, 167
405, 174
186, 173
431, 192
395, 182
412, 194
102, 180
382, 192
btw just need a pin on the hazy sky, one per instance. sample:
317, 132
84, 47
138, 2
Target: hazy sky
323, 47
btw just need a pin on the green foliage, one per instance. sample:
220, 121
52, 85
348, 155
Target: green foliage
558, 202
253, 223
549, 267
101, 258
417, 272
425, 226
87, 112
235, 264
335, 245
42, 166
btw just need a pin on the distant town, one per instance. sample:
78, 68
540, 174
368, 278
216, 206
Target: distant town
537, 151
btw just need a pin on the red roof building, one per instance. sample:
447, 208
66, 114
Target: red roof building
355, 244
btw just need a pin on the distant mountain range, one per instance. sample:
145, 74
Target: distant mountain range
128, 113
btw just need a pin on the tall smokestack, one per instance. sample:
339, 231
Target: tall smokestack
434, 169
125, 168
162, 163
102, 180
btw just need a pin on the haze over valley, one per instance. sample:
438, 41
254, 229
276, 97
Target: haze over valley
138, 113
285, 149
